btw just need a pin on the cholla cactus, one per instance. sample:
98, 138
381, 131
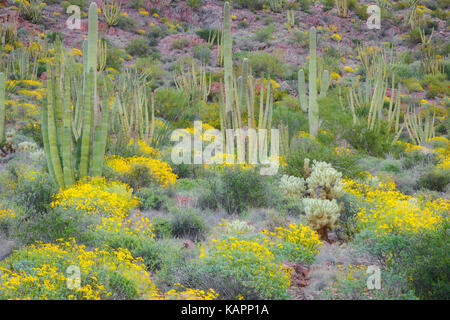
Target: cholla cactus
292, 186
37, 155
322, 215
239, 226
27, 146
306, 167
325, 182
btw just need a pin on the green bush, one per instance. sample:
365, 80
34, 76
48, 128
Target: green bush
202, 53
162, 227
152, 198
269, 64
436, 180
208, 34
180, 43
188, 224
264, 34
302, 148
138, 47
420, 261
237, 189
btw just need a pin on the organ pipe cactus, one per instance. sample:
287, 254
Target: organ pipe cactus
312, 106
420, 131
240, 97
79, 130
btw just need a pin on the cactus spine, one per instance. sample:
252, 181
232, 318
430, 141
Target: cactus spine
312, 106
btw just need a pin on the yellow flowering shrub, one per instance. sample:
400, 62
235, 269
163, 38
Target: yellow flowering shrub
159, 170
297, 243
189, 294
251, 263
110, 202
41, 271
97, 196
6, 215
388, 210
145, 149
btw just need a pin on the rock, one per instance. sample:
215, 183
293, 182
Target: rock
6, 248
188, 244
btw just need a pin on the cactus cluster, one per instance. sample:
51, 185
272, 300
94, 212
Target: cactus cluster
325, 182
133, 112
311, 105
240, 96
75, 128
292, 186
322, 215
238, 226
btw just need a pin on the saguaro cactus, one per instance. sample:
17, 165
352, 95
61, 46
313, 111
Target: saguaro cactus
312, 106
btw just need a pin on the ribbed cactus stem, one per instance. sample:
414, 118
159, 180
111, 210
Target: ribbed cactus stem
227, 51
86, 140
312, 106
52, 132
101, 135
67, 134
2, 108
313, 112
92, 37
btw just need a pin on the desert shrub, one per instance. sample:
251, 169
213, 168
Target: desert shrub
202, 52
152, 198
188, 224
303, 148
162, 227
138, 47
180, 43
191, 274
269, 64
346, 224
435, 179
146, 248
50, 225
428, 264
208, 200
249, 4
173, 105
420, 260
295, 243
114, 57
437, 85
112, 274
292, 206
250, 263
29, 191
81, 3
417, 158
300, 37
264, 34
127, 23
351, 284
140, 172
238, 189
295, 120
208, 34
